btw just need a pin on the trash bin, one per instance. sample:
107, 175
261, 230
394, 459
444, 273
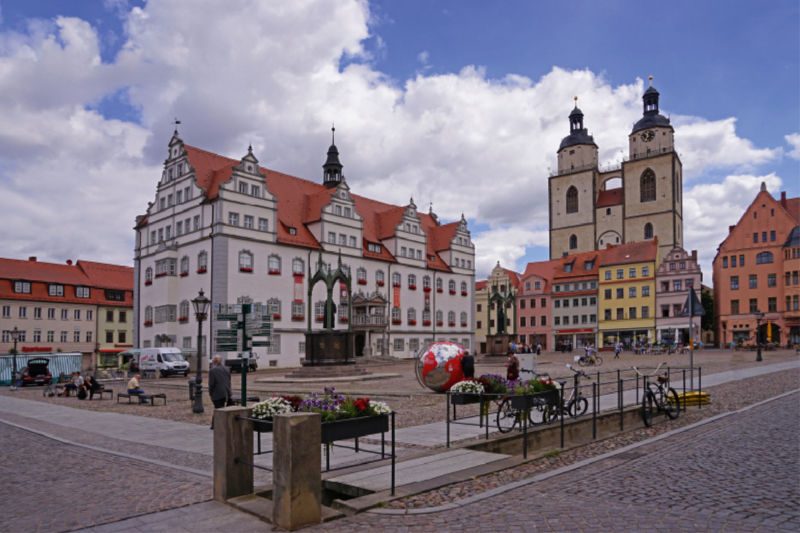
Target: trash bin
192, 381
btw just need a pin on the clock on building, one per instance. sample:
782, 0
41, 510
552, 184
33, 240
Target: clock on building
648, 135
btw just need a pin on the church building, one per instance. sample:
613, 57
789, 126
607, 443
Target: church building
592, 206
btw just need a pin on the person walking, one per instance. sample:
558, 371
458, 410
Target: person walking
538, 348
616, 351
219, 384
512, 367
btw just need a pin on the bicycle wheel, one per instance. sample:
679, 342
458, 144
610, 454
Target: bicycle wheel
539, 414
507, 416
578, 407
648, 406
671, 404
598, 360
582, 361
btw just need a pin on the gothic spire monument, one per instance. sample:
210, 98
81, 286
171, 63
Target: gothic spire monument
631, 201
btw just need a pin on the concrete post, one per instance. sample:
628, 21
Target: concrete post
233, 439
297, 474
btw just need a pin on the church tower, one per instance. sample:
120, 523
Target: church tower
332, 169
572, 191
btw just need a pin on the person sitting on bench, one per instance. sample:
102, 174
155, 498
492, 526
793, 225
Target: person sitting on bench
75, 382
92, 386
133, 388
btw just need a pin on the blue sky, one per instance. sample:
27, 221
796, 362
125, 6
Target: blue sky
712, 60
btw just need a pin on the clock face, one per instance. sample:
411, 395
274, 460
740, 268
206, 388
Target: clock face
648, 136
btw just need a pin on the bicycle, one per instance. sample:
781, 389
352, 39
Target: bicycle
509, 416
574, 406
584, 361
658, 397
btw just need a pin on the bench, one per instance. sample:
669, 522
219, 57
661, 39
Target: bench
141, 397
99, 393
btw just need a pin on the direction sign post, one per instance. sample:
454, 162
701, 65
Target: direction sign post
693, 307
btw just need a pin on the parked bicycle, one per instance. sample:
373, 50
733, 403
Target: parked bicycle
658, 396
510, 413
574, 406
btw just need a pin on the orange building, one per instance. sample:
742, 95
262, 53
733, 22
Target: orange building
756, 269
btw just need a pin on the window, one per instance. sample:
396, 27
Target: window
733, 261
51, 313
543, 304
567, 270
23, 287
772, 305
772, 280
645, 271
274, 345
620, 274
572, 200
452, 286
342, 239
645, 291
396, 279
202, 261
607, 314
248, 222
166, 313
544, 320
677, 286
741, 260
82, 292
56, 290
556, 321
379, 277
763, 236
753, 281
77, 314
196, 222
255, 190
573, 244
298, 311
63, 336
179, 229
76, 336
233, 219
522, 304
620, 313
374, 248
647, 186
274, 264
185, 265
90, 315
753, 305
772, 234
23, 312
153, 237
764, 257
620, 293
148, 315
399, 344
263, 224
645, 311
648, 231
109, 337
631, 272
439, 317
631, 292
557, 304
64, 314
245, 261
725, 262
439, 285
37, 312
734, 283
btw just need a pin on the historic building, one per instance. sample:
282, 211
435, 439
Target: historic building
756, 269
495, 311
575, 310
239, 231
592, 206
674, 277
534, 303
64, 308
627, 294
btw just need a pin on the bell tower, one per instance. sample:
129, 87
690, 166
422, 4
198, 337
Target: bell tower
332, 169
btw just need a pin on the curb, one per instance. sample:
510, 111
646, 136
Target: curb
110, 452
563, 470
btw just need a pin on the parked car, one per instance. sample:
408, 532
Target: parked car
37, 372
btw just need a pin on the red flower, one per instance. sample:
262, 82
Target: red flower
276, 317
396, 321
426, 322
412, 287
412, 322
380, 283
426, 289
439, 290
362, 282
452, 292
274, 272
361, 404
245, 269
201, 270
439, 323
451, 323
463, 293
148, 282
184, 274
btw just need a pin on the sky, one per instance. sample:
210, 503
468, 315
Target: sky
458, 104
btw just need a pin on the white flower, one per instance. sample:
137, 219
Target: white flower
271, 407
380, 408
467, 387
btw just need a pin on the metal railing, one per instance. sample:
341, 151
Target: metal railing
581, 168
649, 153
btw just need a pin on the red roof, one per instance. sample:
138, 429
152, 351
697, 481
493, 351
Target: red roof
105, 276
480, 285
541, 269
632, 252
610, 197
513, 277
301, 202
793, 208
578, 262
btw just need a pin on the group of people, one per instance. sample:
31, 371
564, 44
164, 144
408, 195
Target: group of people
525, 348
82, 387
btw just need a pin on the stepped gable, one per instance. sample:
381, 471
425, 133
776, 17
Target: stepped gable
301, 201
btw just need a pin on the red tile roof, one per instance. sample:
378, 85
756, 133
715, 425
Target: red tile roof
301, 201
793, 208
480, 285
541, 269
632, 252
579, 263
610, 197
105, 276
513, 277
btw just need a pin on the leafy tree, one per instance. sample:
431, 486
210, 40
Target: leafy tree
707, 301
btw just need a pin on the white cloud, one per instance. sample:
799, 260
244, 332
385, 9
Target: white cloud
794, 141
423, 57
270, 74
709, 209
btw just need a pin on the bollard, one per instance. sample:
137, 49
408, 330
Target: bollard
594, 411
448, 418
296, 478
233, 443
621, 410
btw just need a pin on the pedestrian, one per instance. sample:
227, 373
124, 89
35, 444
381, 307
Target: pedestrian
219, 385
135, 389
538, 348
468, 366
512, 367
616, 351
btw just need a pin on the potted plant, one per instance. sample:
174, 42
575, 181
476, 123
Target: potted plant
184, 274
412, 322
347, 418
542, 390
466, 392
412, 287
426, 322
426, 289
202, 270
362, 281
380, 283
463, 293
439, 323
274, 272
245, 269
396, 321
266, 410
148, 282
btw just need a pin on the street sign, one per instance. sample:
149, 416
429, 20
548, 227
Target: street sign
227, 332
225, 347
696, 307
260, 343
226, 316
259, 333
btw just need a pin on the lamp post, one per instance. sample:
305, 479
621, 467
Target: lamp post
15, 337
759, 316
201, 305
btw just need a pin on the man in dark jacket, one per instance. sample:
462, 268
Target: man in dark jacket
219, 384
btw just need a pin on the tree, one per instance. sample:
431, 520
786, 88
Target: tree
707, 300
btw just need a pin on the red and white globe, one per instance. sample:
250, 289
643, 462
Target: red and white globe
439, 365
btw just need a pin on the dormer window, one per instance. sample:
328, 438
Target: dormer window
588, 265
23, 287
55, 290
568, 268
82, 292
292, 231
374, 248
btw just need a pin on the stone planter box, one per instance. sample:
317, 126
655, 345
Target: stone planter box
354, 428
465, 399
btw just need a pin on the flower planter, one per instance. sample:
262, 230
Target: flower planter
426, 322
380, 283
184, 274
463, 324
245, 269
452, 292
343, 320
451, 324
276, 317
464, 399
354, 428
396, 285
201, 270
148, 323
183, 319
440, 323
274, 272
320, 319
548, 397
262, 426
463, 293
397, 322
426, 289
412, 287
146, 283
412, 322
298, 318
439, 290
362, 282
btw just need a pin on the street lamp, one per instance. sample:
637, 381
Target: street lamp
201, 305
15, 336
759, 316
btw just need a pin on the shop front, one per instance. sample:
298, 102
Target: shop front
580, 338
628, 338
794, 334
673, 335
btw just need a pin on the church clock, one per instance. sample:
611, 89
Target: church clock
648, 135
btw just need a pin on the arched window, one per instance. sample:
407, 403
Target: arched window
451, 318
439, 285
764, 257
148, 275
463, 318
647, 186
648, 231
426, 282
397, 313
412, 315
573, 242
439, 318
463, 287
379, 277
184, 265
298, 266
274, 264
412, 281
202, 262
452, 286
148, 315
426, 317
572, 200
184, 311
396, 279
361, 274
245, 261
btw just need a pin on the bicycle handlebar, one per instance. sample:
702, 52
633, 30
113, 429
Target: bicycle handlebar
649, 375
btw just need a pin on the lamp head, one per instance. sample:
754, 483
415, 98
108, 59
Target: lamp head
201, 305
15, 334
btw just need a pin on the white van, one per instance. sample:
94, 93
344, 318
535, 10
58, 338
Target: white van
165, 360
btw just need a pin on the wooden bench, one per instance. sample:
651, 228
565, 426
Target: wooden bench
141, 397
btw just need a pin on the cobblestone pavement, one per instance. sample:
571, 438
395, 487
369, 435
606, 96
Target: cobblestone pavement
50, 486
739, 473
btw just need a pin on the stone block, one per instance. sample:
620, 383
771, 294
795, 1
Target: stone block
297, 475
233, 439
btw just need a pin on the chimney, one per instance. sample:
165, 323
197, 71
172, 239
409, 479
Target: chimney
694, 255
783, 199
32, 258
608, 246
730, 229
69, 262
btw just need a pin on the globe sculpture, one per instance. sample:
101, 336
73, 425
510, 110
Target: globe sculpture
439, 365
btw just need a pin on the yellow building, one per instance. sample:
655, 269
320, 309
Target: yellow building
114, 333
628, 294
501, 286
